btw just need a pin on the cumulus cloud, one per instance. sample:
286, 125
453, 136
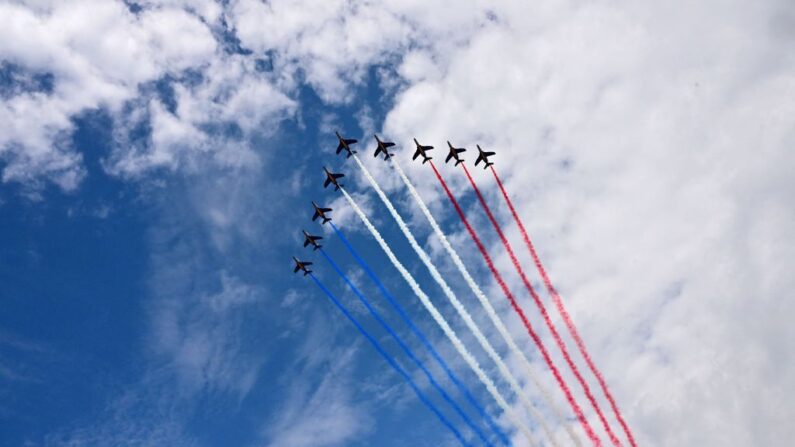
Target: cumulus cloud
97, 54
105, 55
647, 151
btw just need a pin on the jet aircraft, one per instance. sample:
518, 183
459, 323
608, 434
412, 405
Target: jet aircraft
331, 179
345, 144
301, 265
421, 151
484, 157
309, 239
382, 147
453, 154
320, 212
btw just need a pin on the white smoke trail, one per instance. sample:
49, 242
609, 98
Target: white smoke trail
503, 330
440, 320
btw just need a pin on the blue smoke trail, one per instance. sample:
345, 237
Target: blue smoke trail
389, 360
405, 348
404, 315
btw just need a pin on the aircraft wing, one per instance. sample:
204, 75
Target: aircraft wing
351, 141
297, 268
315, 216
326, 183
389, 144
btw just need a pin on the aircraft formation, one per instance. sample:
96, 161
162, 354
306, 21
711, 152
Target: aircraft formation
543, 422
344, 144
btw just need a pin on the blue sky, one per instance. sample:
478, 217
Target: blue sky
158, 159
90, 274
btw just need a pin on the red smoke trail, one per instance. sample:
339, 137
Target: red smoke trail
562, 310
544, 313
577, 411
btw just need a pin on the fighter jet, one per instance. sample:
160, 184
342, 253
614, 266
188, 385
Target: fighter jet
320, 212
345, 144
309, 239
301, 265
484, 157
382, 147
421, 151
331, 179
453, 154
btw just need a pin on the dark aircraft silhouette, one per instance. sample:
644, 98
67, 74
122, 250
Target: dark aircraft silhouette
309, 239
484, 157
331, 179
421, 151
320, 212
301, 265
345, 144
453, 154
382, 147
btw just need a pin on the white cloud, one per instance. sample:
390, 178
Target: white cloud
213, 122
102, 55
648, 150
98, 53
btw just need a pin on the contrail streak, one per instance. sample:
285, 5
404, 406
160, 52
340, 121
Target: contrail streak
543, 310
459, 307
495, 319
404, 347
563, 313
440, 320
525, 321
389, 360
404, 315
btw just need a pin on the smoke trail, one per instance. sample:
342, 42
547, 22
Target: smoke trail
495, 319
439, 319
405, 348
543, 310
404, 315
563, 313
459, 307
545, 354
389, 360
